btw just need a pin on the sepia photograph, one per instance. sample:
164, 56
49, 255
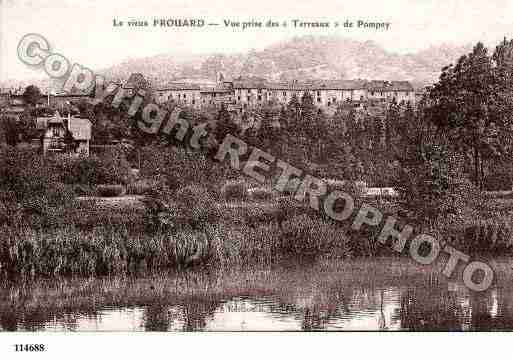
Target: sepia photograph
287, 166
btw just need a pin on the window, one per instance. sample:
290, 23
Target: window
259, 91
284, 93
238, 98
318, 93
259, 97
248, 98
193, 101
318, 99
184, 96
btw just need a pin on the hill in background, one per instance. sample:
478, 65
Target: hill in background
300, 58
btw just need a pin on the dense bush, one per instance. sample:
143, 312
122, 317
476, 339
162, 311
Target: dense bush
353, 188
193, 205
432, 186
197, 204
109, 168
288, 207
261, 194
142, 187
498, 182
111, 190
235, 190
177, 167
84, 190
30, 191
304, 236
291, 187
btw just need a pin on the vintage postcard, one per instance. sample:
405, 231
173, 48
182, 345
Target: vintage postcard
238, 166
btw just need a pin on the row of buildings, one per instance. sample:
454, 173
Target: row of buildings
242, 93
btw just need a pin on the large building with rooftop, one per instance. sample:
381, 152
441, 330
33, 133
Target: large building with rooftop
246, 92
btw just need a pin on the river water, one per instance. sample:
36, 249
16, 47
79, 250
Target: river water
364, 294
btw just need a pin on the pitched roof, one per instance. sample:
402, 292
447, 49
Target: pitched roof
389, 86
80, 128
70, 95
179, 86
258, 82
215, 90
341, 84
304, 85
249, 82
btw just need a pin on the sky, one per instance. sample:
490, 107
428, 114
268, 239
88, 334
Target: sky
83, 30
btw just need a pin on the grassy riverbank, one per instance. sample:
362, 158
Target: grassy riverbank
101, 240
119, 249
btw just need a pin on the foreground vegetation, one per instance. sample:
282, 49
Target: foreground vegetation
47, 232
212, 222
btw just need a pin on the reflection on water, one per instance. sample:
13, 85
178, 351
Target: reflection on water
384, 294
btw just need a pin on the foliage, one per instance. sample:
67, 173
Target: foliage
472, 103
111, 167
262, 194
178, 167
142, 186
235, 190
30, 190
111, 190
10, 130
197, 204
32, 95
432, 186
225, 125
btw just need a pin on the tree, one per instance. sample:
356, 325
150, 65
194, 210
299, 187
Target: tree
293, 114
432, 186
225, 124
309, 113
10, 130
31, 95
461, 104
